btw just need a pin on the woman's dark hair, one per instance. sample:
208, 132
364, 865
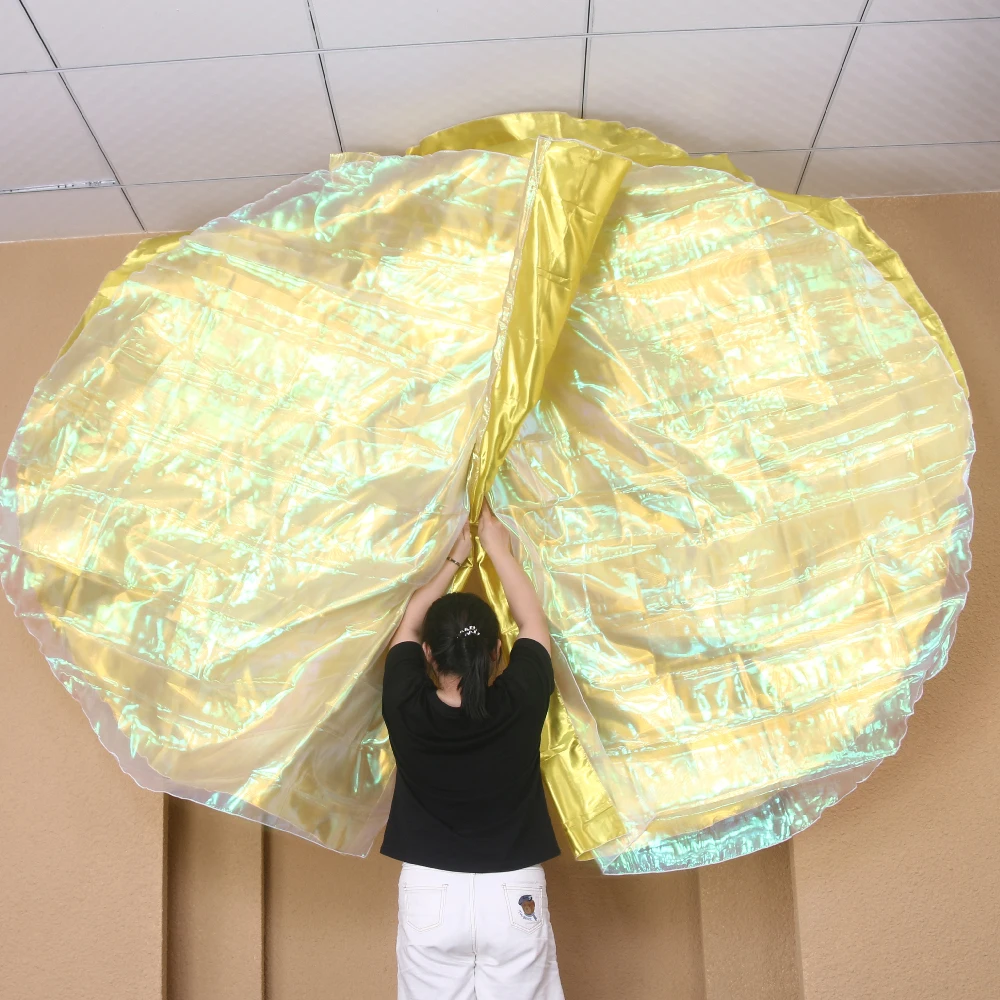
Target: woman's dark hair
462, 632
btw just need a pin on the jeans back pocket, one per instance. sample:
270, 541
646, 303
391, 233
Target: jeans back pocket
526, 906
423, 906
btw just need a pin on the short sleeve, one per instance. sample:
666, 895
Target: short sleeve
405, 670
530, 672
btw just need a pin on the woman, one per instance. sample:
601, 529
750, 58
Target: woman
468, 818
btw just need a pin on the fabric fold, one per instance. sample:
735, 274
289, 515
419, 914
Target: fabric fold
572, 187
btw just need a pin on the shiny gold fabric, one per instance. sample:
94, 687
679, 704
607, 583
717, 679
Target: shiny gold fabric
733, 455
570, 189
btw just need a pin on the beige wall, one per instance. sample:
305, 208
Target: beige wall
110, 891
898, 887
81, 846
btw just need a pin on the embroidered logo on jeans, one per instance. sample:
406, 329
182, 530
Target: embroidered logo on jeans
527, 905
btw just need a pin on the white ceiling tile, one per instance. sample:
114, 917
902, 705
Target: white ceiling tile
916, 10
20, 47
45, 141
885, 170
712, 90
99, 32
778, 169
347, 23
50, 215
666, 15
187, 205
389, 99
926, 82
209, 118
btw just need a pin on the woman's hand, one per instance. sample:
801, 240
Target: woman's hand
462, 548
524, 604
423, 597
492, 532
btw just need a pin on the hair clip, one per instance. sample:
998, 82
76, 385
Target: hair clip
469, 630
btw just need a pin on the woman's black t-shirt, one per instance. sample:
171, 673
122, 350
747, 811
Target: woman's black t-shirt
468, 794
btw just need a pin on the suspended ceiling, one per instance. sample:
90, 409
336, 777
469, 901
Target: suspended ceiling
118, 116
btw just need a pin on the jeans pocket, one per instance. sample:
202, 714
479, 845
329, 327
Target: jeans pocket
526, 906
423, 906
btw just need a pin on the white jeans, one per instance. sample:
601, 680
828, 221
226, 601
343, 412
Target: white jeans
475, 937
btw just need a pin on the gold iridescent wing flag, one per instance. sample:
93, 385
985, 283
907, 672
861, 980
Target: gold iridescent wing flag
729, 434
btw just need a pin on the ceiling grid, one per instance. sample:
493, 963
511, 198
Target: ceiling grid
176, 112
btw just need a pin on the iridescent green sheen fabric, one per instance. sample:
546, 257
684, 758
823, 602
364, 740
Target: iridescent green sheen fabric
743, 492
220, 498
733, 455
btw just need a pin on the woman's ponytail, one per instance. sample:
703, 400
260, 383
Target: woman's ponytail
476, 679
463, 632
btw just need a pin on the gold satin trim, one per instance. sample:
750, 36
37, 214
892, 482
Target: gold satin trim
571, 187
574, 186
516, 135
